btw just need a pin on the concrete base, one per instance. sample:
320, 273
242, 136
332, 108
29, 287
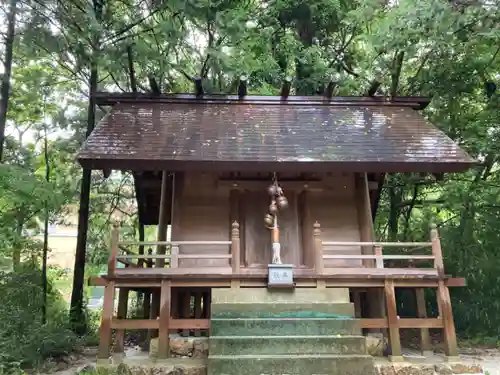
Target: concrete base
291, 364
396, 358
427, 353
282, 345
263, 295
284, 327
452, 359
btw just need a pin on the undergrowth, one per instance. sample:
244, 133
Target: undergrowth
25, 341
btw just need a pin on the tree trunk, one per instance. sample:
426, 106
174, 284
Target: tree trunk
77, 313
7, 68
16, 254
45, 233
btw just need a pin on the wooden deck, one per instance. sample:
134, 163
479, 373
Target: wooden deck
178, 287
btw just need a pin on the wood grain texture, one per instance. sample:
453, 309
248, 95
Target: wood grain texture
204, 216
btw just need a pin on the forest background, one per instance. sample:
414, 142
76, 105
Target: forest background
55, 53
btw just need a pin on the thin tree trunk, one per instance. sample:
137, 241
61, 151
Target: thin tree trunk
7, 68
77, 313
45, 233
16, 254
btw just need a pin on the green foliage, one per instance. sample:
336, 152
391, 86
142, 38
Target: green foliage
24, 341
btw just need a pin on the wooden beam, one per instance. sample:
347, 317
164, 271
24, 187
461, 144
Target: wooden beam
107, 98
106, 318
123, 294
187, 324
135, 324
165, 304
381, 323
392, 319
305, 281
376, 323
444, 302
365, 220
425, 338
115, 237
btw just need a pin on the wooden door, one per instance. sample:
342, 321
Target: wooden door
258, 252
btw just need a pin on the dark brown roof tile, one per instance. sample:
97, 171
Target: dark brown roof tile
142, 136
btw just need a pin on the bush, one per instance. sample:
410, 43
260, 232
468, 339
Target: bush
24, 341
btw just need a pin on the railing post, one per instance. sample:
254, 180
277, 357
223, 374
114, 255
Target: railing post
318, 254
436, 250
115, 237
443, 297
235, 253
379, 260
174, 256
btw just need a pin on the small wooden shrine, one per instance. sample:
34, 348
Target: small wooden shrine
251, 184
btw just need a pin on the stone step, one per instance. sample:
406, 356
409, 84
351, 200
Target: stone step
259, 295
246, 345
282, 310
319, 364
284, 327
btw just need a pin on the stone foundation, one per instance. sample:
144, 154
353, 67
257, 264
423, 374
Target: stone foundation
190, 366
183, 347
407, 368
172, 366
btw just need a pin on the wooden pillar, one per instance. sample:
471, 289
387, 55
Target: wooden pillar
374, 296
365, 220
392, 320
107, 316
123, 294
443, 297
235, 253
186, 308
163, 219
146, 303
318, 255
163, 338
207, 300
115, 238
356, 299
161, 235
197, 310
306, 224
425, 338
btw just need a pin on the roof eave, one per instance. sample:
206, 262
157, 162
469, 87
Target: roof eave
415, 102
274, 166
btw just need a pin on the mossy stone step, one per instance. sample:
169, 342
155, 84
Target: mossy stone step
246, 345
318, 364
283, 310
284, 327
299, 295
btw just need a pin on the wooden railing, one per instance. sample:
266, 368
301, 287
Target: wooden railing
392, 322
377, 256
120, 252
376, 267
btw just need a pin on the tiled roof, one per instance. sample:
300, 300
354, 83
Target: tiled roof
173, 136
